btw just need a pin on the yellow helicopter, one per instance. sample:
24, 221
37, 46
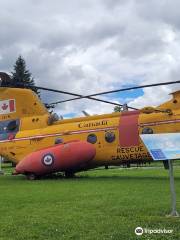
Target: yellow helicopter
39, 143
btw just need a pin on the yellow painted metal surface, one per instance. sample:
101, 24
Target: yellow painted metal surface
35, 132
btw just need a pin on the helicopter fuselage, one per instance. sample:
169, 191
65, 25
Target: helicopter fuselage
115, 137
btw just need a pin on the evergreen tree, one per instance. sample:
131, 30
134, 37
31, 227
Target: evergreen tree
21, 77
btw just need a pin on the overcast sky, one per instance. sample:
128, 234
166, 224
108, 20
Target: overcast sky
88, 46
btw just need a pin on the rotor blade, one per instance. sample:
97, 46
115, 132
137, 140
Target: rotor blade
119, 90
73, 94
78, 96
81, 96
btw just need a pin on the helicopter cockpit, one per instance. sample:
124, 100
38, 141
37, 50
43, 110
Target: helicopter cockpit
8, 129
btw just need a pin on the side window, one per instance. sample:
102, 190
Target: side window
12, 126
147, 130
92, 138
110, 137
8, 127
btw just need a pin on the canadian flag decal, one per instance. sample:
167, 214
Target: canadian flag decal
7, 106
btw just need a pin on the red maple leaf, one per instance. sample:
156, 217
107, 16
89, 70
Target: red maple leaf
4, 107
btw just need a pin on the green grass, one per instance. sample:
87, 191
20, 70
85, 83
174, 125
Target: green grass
106, 204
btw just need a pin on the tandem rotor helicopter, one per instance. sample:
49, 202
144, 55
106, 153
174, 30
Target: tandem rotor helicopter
40, 144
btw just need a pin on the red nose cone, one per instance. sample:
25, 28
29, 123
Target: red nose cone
58, 158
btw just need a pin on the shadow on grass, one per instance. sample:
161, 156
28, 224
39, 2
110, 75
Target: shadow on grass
152, 178
92, 178
94, 175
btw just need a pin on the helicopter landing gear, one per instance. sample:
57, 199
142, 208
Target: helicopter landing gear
31, 176
69, 174
14, 164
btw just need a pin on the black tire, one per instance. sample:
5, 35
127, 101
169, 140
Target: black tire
69, 174
31, 176
14, 164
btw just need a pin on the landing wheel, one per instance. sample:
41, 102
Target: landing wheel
31, 176
69, 174
14, 164
128, 165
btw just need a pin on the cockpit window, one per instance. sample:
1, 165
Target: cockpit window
12, 126
8, 128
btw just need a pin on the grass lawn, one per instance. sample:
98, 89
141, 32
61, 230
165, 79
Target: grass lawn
101, 204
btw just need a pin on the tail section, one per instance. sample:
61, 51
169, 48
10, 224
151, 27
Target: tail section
16, 103
174, 103
168, 107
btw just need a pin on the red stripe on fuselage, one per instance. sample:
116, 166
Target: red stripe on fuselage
128, 129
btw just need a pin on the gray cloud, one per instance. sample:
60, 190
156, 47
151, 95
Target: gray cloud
164, 11
91, 46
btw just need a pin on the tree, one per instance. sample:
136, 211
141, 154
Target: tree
5, 79
122, 108
21, 77
117, 109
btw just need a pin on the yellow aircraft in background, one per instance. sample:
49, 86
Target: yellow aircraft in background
40, 144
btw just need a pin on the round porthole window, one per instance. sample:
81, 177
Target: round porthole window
110, 137
92, 138
58, 140
147, 131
